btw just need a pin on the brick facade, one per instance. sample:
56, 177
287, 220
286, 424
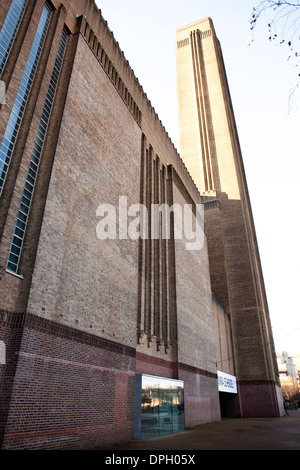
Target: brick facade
71, 390
210, 148
82, 315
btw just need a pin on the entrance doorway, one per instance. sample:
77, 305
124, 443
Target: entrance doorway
228, 394
161, 407
227, 405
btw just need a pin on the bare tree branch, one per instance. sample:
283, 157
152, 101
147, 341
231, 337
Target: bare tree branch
283, 20
284, 24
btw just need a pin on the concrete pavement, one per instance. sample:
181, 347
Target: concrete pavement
229, 434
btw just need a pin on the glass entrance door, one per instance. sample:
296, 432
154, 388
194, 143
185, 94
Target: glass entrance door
162, 406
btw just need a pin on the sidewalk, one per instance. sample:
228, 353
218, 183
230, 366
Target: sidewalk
229, 434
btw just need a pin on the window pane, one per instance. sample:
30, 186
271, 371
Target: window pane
36, 154
17, 113
11, 267
162, 404
10, 28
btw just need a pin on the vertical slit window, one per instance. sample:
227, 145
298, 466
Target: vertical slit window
13, 126
9, 29
22, 218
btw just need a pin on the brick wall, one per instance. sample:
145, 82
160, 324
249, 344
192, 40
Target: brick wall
15, 291
10, 334
201, 397
71, 390
225, 357
71, 328
63, 386
78, 279
196, 328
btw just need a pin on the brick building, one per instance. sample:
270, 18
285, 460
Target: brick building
103, 339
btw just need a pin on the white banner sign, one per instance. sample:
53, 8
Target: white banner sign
227, 383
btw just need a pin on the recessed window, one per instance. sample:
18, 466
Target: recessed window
9, 29
14, 123
20, 228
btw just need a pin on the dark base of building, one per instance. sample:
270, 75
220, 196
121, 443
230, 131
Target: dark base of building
255, 399
66, 389
260, 399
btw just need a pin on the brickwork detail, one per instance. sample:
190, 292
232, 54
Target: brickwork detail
78, 390
208, 130
156, 309
109, 68
84, 314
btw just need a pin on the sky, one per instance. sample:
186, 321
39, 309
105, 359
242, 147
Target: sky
260, 79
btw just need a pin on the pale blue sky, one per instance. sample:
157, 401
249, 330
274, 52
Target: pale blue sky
260, 79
